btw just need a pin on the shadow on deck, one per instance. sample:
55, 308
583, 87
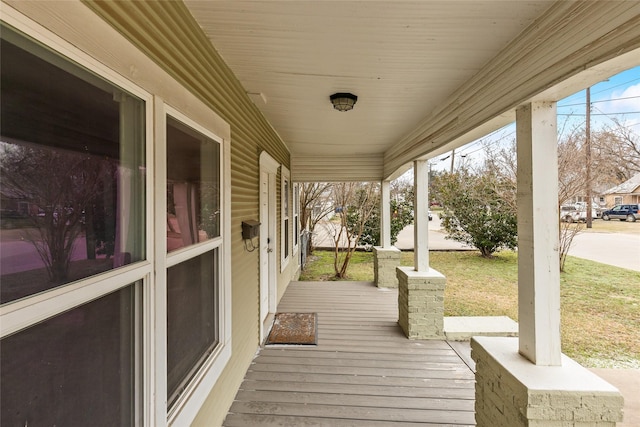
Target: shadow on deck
363, 372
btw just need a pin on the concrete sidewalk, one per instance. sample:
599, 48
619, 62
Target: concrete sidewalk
627, 381
437, 242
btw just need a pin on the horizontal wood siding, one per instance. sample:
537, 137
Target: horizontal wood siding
363, 372
337, 169
167, 33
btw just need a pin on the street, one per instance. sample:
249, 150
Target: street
620, 249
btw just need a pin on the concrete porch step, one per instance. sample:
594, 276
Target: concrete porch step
463, 328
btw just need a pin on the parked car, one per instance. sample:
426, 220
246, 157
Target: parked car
623, 213
596, 209
572, 213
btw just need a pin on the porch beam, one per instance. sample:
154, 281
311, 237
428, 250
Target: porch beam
538, 240
421, 215
557, 48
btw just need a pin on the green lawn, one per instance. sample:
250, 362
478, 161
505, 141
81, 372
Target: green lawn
600, 303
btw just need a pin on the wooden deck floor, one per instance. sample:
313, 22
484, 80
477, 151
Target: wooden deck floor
363, 372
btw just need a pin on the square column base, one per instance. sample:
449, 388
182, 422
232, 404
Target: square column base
511, 391
385, 261
421, 303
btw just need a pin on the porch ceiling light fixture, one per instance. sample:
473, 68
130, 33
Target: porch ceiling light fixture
343, 101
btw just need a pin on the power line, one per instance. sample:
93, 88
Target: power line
595, 102
618, 85
605, 89
598, 114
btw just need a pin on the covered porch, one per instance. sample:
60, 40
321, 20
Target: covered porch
363, 371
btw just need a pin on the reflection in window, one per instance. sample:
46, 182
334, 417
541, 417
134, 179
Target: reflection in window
72, 171
192, 318
285, 218
193, 186
75, 369
296, 215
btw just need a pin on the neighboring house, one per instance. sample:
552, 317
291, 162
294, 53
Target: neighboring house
144, 116
626, 193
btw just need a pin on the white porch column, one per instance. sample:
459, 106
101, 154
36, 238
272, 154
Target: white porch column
385, 214
421, 289
538, 241
511, 391
385, 257
421, 215
554, 390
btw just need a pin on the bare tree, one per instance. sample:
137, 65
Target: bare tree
61, 184
503, 166
315, 205
617, 153
356, 202
567, 233
571, 178
571, 167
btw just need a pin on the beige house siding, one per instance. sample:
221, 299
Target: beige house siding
166, 33
620, 199
173, 40
625, 193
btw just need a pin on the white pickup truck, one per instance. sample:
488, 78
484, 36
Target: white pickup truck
573, 213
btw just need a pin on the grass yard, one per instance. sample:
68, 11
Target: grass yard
320, 267
600, 304
612, 226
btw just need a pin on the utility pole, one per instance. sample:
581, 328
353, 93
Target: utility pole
587, 149
453, 156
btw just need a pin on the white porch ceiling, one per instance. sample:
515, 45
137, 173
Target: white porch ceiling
405, 60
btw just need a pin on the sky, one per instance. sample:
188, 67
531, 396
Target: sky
617, 97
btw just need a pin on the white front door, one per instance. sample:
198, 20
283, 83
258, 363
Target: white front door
268, 170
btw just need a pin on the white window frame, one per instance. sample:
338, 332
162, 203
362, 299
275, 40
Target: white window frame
296, 218
150, 365
285, 231
29, 311
197, 390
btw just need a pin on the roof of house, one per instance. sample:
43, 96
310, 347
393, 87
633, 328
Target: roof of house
626, 187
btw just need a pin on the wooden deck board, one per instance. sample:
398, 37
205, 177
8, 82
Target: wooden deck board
359, 388
262, 420
363, 372
355, 400
267, 380
353, 412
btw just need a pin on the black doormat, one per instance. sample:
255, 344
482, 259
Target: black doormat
294, 329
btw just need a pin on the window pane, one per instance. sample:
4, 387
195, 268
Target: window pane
76, 369
192, 318
72, 171
296, 216
286, 238
193, 186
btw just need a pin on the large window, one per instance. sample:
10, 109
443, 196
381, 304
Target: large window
72, 170
192, 327
285, 226
296, 216
193, 225
115, 288
75, 369
73, 174
193, 186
